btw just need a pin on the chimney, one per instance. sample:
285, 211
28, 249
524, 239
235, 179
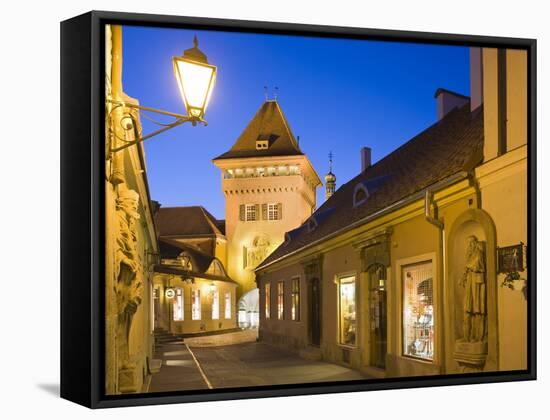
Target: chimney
446, 101
365, 158
476, 78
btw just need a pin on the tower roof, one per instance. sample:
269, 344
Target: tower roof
269, 124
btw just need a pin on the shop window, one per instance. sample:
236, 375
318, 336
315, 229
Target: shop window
215, 304
228, 305
296, 299
280, 300
418, 321
178, 304
267, 300
347, 311
196, 305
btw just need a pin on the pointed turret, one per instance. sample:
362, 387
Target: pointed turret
330, 179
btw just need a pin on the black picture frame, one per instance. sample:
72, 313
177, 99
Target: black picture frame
83, 222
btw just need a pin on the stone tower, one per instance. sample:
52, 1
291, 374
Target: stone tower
330, 179
269, 186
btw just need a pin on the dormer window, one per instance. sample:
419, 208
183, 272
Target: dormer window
360, 195
262, 144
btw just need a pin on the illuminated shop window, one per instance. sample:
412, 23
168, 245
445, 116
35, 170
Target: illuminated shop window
267, 300
178, 304
296, 299
347, 311
228, 305
216, 304
280, 300
418, 322
196, 305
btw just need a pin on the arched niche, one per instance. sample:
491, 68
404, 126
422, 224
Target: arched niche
464, 356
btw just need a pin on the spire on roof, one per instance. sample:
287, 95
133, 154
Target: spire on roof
330, 179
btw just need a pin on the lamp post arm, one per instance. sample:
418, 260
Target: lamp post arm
180, 120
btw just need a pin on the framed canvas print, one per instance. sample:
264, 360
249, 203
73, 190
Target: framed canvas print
255, 209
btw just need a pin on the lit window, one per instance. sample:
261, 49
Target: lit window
228, 305
418, 322
280, 300
268, 300
272, 211
296, 299
347, 311
178, 304
215, 304
196, 305
251, 213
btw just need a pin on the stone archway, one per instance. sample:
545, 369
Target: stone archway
471, 265
249, 309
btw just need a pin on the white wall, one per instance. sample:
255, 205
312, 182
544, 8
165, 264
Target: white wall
29, 170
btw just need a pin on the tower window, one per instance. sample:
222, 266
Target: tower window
251, 212
262, 144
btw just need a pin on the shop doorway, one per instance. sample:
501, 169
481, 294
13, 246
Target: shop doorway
377, 315
314, 292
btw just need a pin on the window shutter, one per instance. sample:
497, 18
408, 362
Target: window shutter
280, 210
264, 211
241, 212
257, 211
245, 262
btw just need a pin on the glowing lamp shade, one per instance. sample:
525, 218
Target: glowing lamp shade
196, 81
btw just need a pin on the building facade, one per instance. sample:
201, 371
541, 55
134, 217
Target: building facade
192, 292
416, 265
269, 186
130, 239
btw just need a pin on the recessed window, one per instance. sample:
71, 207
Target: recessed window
215, 304
196, 305
280, 300
178, 304
227, 305
347, 311
295, 299
418, 320
267, 289
251, 212
272, 211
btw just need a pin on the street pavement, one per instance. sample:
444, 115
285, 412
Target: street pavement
239, 365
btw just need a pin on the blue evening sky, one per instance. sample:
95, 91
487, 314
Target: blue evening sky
337, 94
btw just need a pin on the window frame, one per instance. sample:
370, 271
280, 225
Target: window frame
267, 300
250, 209
438, 322
339, 278
174, 301
194, 310
226, 307
281, 300
295, 301
272, 211
216, 297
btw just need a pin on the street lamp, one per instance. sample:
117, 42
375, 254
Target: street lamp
195, 78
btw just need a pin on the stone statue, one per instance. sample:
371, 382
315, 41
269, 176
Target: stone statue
127, 265
474, 303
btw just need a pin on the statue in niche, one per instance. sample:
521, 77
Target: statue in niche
127, 264
474, 303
